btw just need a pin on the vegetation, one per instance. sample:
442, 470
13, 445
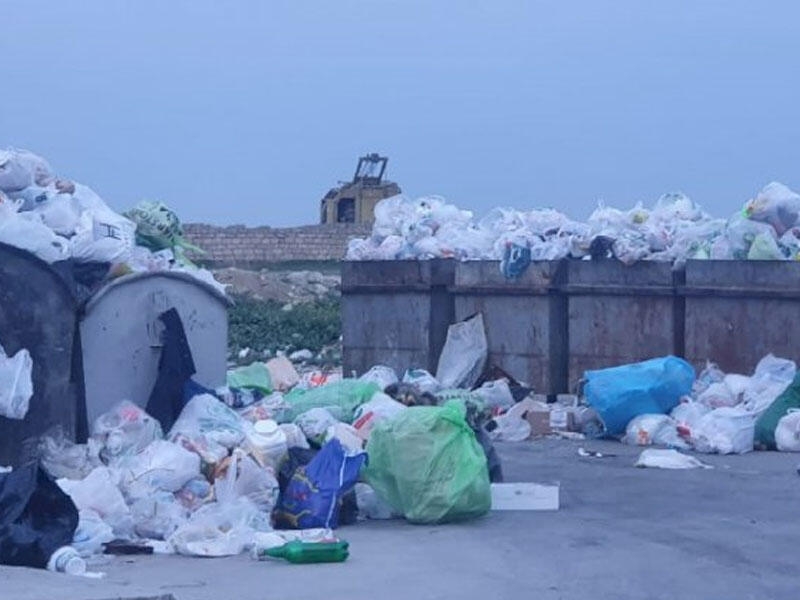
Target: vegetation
266, 326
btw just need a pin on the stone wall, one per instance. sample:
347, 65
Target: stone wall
252, 247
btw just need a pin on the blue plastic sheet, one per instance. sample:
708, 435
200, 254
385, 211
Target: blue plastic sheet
651, 387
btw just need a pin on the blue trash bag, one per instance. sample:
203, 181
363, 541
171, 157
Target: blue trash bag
313, 496
651, 387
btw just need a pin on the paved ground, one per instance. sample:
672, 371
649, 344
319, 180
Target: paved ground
622, 533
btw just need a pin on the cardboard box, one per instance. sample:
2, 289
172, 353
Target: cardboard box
548, 418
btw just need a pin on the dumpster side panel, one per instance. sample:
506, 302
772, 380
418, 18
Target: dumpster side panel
121, 338
739, 311
390, 329
37, 313
525, 319
620, 314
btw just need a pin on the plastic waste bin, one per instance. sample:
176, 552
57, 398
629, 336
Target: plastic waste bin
121, 335
395, 313
38, 312
738, 311
525, 319
620, 314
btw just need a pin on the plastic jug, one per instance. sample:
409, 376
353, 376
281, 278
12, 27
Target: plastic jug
268, 442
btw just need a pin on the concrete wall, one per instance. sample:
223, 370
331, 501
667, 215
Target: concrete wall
242, 246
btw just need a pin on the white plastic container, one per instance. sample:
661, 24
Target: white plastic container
268, 442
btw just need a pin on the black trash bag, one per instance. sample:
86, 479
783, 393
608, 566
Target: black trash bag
299, 457
492, 458
36, 517
175, 368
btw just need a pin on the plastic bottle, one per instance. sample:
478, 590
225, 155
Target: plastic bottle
66, 560
304, 553
269, 442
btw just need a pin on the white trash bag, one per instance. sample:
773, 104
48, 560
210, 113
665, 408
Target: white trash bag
464, 354
668, 459
787, 433
726, 430
16, 383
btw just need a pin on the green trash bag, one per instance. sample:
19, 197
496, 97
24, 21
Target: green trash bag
341, 398
254, 376
158, 228
768, 422
428, 466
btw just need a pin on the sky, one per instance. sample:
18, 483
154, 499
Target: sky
248, 111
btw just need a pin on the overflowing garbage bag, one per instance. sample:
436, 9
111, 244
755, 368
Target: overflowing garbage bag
428, 466
57, 219
674, 229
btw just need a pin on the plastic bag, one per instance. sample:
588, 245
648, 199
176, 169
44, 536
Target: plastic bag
99, 491
726, 430
35, 237
717, 395
206, 418
668, 459
102, 236
380, 408
244, 477
464, 354
621, 393
16, 383
255, 376
427, 464
314, 494
646, 430
496, 395
787, 433
370, 505
162, 465
62, 458
769, 420
686, 416
282, 374
220, 529
125, 430
21, 168
36, 517
381, 376
422, 380
158, 228
341, 398
776, 205
710, 374
771, 378
513, 426
314, 423
92, 532
158, 516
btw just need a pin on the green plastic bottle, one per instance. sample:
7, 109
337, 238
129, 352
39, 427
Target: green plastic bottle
298, 552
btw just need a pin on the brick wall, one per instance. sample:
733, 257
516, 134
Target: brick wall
242, 246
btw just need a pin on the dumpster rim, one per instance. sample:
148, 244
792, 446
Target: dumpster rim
134, 277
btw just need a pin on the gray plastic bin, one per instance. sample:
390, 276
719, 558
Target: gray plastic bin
121, 335
395, 313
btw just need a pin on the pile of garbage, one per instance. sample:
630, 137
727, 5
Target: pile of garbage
240, 467
58, 219
673, 230
659, 402
288, 287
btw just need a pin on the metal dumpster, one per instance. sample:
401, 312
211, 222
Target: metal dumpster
395, 313
121, 335
525, 319
38, 312
621, 314
739, 311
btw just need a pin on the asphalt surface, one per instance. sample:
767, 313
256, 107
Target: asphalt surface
621, 533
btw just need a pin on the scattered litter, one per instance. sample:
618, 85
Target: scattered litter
593, 454
668, 459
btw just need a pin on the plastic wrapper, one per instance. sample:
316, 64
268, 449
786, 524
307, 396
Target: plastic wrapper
125, 430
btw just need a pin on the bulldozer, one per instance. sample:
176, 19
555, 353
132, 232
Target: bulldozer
355, 201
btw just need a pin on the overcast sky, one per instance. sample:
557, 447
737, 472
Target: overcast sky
248, 111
